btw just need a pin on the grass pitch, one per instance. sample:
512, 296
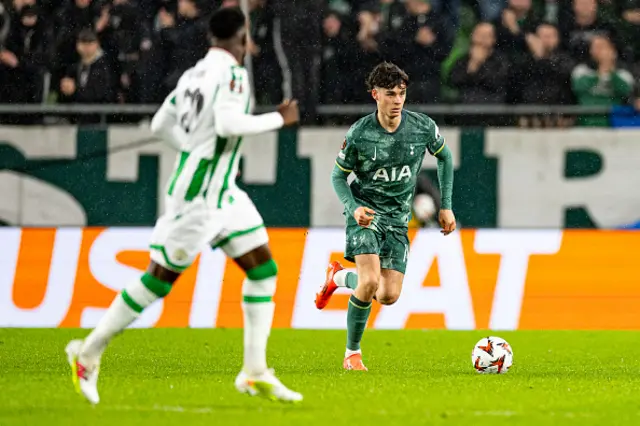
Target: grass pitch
185, 377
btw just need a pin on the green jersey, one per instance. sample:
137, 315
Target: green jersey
386, 165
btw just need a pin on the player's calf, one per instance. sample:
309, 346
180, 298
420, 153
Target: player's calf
141, 292
258, 307
257, 304
84, 356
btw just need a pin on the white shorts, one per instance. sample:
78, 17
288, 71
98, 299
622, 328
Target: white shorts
186, 229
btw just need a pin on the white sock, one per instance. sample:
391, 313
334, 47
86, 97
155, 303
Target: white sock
258, 309
124, 310
340, 278
349, 352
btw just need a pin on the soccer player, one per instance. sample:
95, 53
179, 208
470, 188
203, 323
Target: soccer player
385, 151
205, 117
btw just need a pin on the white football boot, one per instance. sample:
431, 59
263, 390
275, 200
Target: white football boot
266, 385
85, 377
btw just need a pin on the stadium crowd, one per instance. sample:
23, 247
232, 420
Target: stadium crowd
554, 52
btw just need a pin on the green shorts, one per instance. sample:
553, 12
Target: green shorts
390, 243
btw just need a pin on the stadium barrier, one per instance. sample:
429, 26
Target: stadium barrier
504, 178
472, 279
104, 110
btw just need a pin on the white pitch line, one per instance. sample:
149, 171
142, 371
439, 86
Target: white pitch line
162, 408
495, 413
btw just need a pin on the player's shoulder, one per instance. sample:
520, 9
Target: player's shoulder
218, 63
360, 128
420, 120
423, 125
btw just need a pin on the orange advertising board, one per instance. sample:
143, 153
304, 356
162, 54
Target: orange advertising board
472, 279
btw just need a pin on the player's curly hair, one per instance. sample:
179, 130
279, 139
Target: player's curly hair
387, 75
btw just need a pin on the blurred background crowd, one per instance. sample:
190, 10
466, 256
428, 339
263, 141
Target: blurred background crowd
555, 52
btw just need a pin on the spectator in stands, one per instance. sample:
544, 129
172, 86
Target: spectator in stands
184, 40
266, 70
449, 10
514, 29
490, 10
547, 72
90, 81
631, 28
297, 31
337, 59
579, 28
604, 83
24, 59
516, 22
150, 68
546, 75
70, 20
419, 42
15, 8
366, 28
120, 28
481, 75
5, 23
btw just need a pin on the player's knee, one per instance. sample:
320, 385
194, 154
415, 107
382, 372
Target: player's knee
261, 280
388, 298
157, 285
266, 270
369, 282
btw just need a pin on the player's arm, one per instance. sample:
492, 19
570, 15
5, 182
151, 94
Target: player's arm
163, 124
445, 176
345, 164
231, 110
341, 187
439, 149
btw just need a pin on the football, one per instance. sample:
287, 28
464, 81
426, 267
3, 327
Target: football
492, 355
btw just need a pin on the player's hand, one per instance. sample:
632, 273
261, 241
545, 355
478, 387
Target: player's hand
289, 112
447, 221
364, 216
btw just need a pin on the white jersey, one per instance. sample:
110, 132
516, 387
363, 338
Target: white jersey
205, 118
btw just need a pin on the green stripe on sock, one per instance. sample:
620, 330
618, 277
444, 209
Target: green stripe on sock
257, 299
357, 316
156, 286
130, 302
359, 303
264, 271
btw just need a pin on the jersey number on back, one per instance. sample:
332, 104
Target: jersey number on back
194, 102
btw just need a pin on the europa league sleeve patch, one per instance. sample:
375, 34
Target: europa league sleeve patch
344, 144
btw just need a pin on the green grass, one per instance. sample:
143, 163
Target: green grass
185, 377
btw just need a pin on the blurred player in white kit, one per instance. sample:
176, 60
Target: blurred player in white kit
205, 118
